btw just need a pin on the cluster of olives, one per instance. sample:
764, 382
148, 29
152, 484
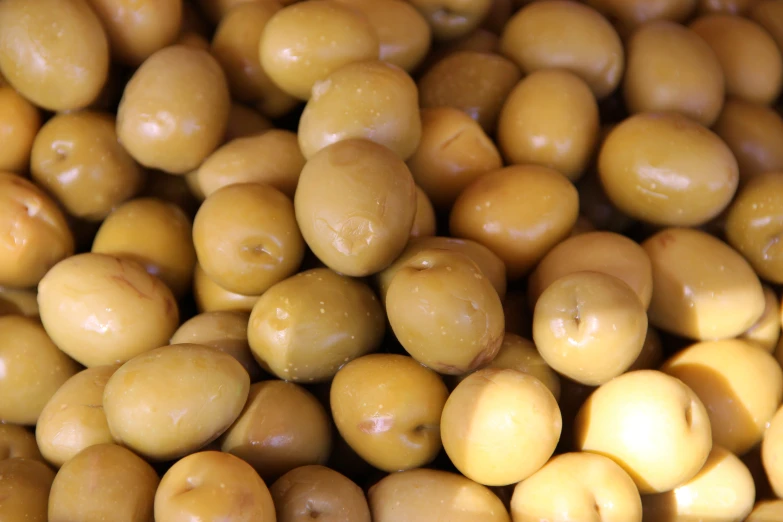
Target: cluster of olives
391, 260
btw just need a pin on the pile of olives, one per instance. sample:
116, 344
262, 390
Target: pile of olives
391, 260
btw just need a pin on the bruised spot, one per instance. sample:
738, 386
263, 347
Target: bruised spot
376, 425
486, 355
666, 239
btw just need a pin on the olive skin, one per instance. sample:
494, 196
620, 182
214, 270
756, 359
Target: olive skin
55, 53
174, 110
355, 206
328, 320
388, 407
172, 400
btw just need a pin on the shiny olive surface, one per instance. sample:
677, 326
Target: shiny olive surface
306, 327
388, 408
445, 312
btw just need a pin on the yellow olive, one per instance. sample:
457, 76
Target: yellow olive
211, 297
304, 43
670, 68
223, 330
518, 212
474, 82
370, 100
33, 369
754, 225
752, 131
37, 236
667, 170
355, 206
137, 29
722, 490
424, 495
272, 157
76, 157
591, 48
491, 266
702, 288
550, 119
73, 419
738, 382
54, 52
454, 150
17, 442
24, 488
766, 331
20, 121
445, 312
317, 492
282, 427
221, 487
154, 233
630, 14
103, 482
101, 309
649, 423
307, 326
589, 326
751, 61
500, 453
174, 110
173, 400
586, 486
599, 251
246, 237
388, 407
403, 32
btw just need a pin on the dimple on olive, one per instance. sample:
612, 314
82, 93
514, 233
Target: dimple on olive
246, 237
76, 157
388, 407
355, 206
451, 19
